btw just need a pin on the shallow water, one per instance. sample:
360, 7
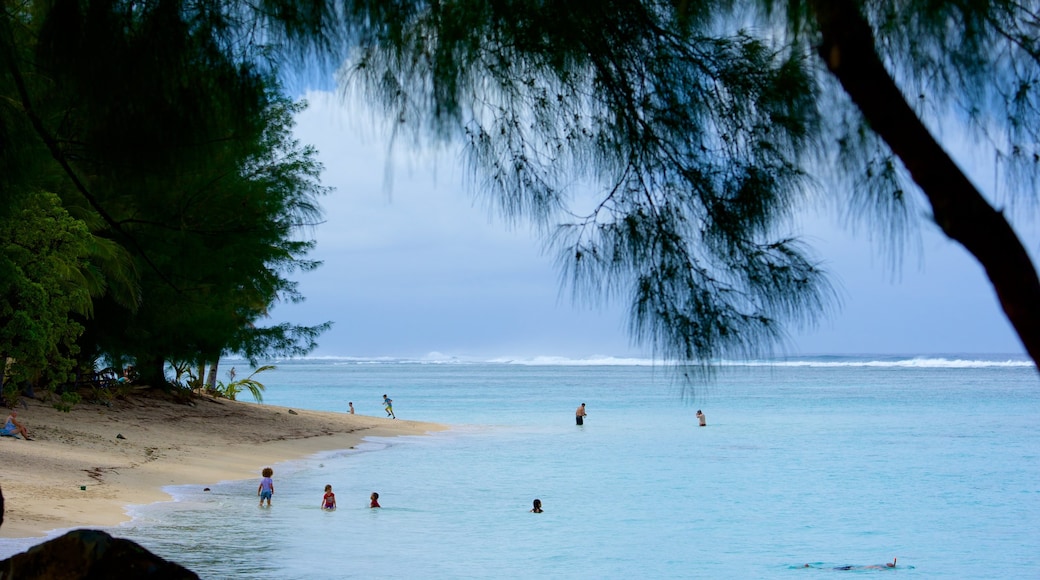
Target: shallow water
832, 463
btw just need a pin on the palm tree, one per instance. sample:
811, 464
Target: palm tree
255, 387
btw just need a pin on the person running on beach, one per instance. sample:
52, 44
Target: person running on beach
580, 414
702, 418
328, 501
375, 500
12, 427
266, 489
537, 509
351, 405
389, 404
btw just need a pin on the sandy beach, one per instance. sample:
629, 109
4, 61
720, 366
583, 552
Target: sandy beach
84, 467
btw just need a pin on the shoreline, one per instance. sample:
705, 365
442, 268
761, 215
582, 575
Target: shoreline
86, 468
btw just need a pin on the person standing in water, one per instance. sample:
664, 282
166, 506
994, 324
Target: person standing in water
580, 414
266, 489
351, 405
537, 509
703, 420
328, 501
375, 500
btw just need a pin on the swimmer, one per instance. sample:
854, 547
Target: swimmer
885, 566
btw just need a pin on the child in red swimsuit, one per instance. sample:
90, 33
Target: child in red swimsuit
375, 500
328, 501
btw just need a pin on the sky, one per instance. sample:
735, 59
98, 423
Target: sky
416, 264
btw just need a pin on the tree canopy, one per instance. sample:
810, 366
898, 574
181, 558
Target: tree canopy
702, 127
704, 124
168, 142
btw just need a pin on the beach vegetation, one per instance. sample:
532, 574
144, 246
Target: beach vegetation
180, 199
66, 401
101, 396
45, 280
231, 389
10, 392
663, 149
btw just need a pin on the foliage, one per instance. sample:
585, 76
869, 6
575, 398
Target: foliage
101, 395
10, 393
166, 139
694, 141
255, 387
45, 278
67, 401
701, 125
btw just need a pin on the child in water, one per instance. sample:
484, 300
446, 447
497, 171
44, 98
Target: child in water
266, 489
537, 509
328, 501
375, 500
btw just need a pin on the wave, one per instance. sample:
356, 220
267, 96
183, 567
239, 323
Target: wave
932, 361
818, 361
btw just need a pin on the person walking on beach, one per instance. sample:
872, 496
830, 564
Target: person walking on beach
351, 405
12, 427
375, 500
266, 489
537, 509
703, 420
580, 414
389, 404
328, 501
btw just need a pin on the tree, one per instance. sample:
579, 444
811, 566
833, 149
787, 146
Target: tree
970, 37
697, 122
45, 275
223, 241
161, 127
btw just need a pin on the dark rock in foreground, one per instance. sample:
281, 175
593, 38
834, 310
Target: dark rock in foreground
91, 554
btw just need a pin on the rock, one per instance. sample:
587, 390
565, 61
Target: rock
93, 554
291, 412
120, 436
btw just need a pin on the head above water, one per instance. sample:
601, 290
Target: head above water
537, 503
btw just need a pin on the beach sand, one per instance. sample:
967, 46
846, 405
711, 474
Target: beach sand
163, 442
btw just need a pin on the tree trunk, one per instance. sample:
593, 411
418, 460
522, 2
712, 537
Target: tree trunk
150, 372
211, 380
959, 209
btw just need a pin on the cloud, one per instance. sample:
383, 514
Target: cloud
416, 262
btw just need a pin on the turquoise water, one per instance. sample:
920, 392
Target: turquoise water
831, 462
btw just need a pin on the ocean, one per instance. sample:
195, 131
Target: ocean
829, 462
